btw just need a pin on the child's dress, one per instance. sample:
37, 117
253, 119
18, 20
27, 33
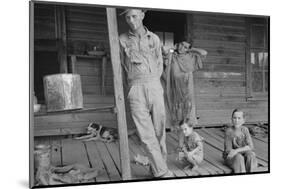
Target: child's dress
193, 141
244, 161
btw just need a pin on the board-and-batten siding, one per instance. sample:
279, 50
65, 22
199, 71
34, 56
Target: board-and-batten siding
221, 85
86, 26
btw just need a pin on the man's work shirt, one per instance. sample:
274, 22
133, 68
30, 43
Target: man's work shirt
141, 56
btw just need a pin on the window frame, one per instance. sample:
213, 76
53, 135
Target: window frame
250, 94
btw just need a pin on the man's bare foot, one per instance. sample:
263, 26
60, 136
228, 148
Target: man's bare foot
187, 167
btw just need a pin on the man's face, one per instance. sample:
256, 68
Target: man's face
238, 119
134, 18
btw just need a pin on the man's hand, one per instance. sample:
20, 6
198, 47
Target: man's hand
186, 77
180, 156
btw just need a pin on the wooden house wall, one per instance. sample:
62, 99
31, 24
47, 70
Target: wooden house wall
45, 55
221, 85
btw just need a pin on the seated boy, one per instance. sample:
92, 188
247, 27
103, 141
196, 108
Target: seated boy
238, 145
191, 145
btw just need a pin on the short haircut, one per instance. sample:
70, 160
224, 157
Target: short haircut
187, 121
238, 110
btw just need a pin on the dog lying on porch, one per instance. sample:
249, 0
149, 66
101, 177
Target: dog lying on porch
97, 132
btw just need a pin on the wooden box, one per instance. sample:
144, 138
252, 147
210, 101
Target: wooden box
63, 92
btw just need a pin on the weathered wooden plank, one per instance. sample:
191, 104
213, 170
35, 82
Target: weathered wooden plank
112, 148
220, 16
118, 91
217, 143
177, 167
223, 59
220, 27
85, 20
222, 116
203, 35
75, 116
227, 106
95, 39
261, 148
98, 99
214, 157
96, 89
90, 13
223, 68
73, 64
73, 151
108, 162
226, 30
237, 76
75, 124
103, 74
87, 9
237, 46
138, 171
219, 21
171, 146
74, 24
46, 132
87, 33
96, 80
96, 162
221, 51
201, 171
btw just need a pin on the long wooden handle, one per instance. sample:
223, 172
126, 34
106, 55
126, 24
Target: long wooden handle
118, 91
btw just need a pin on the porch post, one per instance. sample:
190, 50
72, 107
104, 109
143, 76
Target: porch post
118, 91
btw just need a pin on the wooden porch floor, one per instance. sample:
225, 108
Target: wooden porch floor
105, 156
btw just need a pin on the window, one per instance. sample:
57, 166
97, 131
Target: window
258, 58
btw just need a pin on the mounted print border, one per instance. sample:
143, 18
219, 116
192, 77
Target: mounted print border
78, 84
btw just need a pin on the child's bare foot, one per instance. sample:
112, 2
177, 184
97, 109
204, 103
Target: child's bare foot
195, 167
187, 167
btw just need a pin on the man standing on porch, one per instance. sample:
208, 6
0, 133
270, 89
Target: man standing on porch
141, 59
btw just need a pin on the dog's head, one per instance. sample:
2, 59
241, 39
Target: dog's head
93, 128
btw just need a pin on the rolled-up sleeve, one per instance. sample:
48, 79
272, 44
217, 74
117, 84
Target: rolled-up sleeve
227, 143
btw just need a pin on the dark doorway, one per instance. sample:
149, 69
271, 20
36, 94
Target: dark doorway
172, 22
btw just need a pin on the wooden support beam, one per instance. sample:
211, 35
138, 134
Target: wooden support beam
31, 90
189, 27
61, 36
118, 91
103, 74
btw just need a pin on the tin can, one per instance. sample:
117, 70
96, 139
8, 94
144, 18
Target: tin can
42, 156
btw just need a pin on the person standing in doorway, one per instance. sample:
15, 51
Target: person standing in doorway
142, 61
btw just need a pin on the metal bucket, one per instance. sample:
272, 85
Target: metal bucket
63, 92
